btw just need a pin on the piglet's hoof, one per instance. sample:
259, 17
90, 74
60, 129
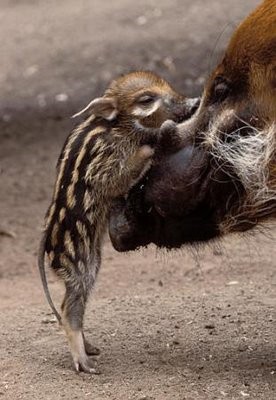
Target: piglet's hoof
169, 137
145, 152
168, 125
86, 365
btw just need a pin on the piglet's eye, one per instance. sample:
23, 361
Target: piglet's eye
146, 100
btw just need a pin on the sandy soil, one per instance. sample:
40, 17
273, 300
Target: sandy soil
197, 324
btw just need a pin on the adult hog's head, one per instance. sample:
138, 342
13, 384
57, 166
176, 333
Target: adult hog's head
235, 127
227, 180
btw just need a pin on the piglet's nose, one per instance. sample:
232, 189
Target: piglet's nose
186, 109
192, 104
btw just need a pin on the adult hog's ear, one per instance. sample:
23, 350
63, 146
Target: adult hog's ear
104, 107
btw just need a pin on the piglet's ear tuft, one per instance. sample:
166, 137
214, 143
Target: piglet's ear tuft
104, 107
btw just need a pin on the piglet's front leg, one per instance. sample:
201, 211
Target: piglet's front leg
139, 163
170, 139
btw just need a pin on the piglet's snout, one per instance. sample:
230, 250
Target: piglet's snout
185, 109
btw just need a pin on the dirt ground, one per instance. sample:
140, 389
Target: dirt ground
198, 324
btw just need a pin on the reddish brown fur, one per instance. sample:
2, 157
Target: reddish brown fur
250, 59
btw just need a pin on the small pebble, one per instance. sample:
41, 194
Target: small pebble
61, 97
6, 117
49, 320
142, 20
209, 326
244, 394
30, 71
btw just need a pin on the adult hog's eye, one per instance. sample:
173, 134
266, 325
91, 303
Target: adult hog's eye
221, 89
146, 99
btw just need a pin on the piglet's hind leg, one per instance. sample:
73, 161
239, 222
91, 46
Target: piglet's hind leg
73, 308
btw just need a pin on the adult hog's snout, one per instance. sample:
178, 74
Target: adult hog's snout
174, 186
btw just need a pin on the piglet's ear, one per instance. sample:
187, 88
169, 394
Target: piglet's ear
104, 107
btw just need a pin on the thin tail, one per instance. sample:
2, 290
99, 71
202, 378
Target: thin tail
41, 266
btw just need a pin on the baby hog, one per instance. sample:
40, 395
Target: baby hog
101, 160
